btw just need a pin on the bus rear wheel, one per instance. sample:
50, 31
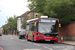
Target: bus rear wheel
33, 39
27, 38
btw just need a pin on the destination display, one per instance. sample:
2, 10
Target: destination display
46, 20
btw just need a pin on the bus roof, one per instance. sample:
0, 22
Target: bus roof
32, 19
40, 18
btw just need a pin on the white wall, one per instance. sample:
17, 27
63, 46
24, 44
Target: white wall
19, 24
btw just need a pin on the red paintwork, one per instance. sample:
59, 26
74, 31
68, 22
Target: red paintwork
58, 20
38, 20
36, 38
26, 33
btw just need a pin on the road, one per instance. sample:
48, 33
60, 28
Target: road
8, 42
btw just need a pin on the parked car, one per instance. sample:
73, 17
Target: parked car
22, 34
0, 33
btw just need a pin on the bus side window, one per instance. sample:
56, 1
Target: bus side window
35, 27
31, 27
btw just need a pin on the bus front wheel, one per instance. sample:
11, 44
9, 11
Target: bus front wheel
52, 42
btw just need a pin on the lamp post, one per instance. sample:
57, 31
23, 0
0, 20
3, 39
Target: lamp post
33, 13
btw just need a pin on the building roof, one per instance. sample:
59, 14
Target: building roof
25, 14
5, 25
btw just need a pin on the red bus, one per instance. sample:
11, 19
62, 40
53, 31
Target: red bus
42, 29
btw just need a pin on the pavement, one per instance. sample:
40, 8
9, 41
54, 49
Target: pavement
68, 42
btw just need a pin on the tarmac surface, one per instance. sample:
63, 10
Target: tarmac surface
9, 42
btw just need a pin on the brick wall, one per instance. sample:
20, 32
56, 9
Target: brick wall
30, 15
67, 30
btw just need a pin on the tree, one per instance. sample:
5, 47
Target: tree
64, 10
4, 29
24, 23
12, 22
38, 5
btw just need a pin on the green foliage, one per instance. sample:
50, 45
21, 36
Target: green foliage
5, 29
12, 22
64, 10
38, 5
38, 16
24, 23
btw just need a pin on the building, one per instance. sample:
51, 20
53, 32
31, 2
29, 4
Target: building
25, 16
1, 30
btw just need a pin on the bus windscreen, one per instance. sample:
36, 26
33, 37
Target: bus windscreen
48, 27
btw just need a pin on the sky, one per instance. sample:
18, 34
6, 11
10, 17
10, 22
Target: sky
10, 8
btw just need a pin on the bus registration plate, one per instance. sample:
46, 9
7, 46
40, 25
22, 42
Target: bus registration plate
47, 40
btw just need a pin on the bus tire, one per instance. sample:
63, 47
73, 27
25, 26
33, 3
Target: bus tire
27, 38
33, 39
52, 42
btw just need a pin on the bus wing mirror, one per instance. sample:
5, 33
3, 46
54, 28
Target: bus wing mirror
60, 25
35, 24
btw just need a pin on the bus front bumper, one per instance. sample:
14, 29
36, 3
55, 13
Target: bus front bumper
52, 39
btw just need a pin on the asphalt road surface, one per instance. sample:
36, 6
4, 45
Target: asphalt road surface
8, 42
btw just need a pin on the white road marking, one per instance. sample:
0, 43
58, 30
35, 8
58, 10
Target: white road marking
36, 44
9, 35
11, 38
66, 49
29, 42
25, 49
23, 40
31, 49
48, 48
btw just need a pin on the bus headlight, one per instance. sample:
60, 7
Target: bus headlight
56, 36
38, 35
